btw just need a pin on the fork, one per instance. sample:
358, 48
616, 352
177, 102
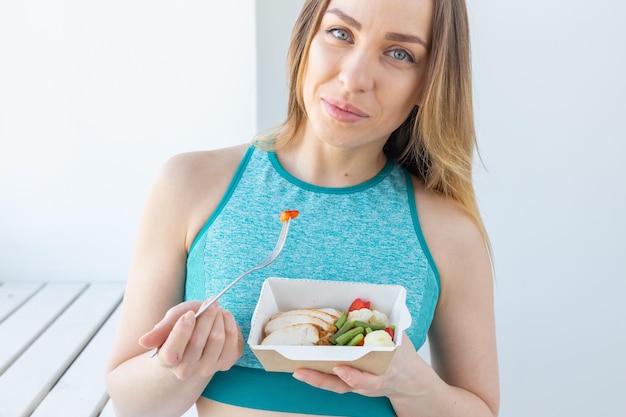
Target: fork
282, 238
272, 256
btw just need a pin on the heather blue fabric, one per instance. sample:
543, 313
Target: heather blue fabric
369, 232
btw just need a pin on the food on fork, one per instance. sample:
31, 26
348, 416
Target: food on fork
288, 214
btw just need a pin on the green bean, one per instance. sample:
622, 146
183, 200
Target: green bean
373, 326
356, 340
346, 326
341, 320
346, 337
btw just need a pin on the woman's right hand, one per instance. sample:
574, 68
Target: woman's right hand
193, 347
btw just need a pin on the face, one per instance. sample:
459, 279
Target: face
365, 69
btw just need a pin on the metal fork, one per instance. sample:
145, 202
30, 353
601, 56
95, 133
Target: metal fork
272, 256
282, 238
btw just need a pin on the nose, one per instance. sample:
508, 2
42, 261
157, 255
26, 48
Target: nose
357, 73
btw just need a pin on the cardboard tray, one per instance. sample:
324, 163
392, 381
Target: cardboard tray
282, 294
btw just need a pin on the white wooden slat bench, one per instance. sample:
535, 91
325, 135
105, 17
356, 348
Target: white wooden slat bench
54, 341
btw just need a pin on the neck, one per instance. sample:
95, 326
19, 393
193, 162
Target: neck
323, 165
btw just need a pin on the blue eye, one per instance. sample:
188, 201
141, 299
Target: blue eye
401, 55
340, 34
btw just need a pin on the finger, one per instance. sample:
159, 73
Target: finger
215, 341
322, 380
233, 343
159, 333
171, 353
361, 382
153, 339
197, 342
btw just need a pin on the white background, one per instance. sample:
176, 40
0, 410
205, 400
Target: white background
95, 96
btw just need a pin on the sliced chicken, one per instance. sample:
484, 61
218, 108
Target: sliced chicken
332, 311
308, 311
285, 320
296, 335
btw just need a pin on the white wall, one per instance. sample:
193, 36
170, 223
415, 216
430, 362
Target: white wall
549, 79
94, 97
92, 100
275, 20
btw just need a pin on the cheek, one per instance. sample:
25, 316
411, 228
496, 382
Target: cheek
314, 76
401, 100
321, 63
420, 88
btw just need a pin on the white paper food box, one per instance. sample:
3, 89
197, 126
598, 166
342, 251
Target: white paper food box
282, 294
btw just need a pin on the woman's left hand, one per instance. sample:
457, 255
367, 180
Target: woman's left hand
407, 370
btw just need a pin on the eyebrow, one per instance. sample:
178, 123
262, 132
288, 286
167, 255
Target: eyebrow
392, 36
401, 37
348, 19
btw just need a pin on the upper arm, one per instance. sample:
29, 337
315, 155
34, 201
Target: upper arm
462, 335
185, 192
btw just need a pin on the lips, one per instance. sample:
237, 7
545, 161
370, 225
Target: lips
343, 111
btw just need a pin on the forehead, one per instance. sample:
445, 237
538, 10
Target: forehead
413, 17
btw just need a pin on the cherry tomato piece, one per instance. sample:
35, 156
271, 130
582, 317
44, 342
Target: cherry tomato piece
358, 304
390, 331
288, 214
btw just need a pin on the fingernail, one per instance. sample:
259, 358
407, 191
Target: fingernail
299, 376
208, 300
188, 317
340, 373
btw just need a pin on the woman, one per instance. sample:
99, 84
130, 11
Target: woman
376, 153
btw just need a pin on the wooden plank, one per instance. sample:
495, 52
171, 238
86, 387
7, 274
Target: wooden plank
83, 385
30, 378
109, 412
13, 294
22, 327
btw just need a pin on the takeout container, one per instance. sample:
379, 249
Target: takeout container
282, 294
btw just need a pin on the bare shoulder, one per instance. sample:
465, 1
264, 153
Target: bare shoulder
192, 168
193, 183
453, 237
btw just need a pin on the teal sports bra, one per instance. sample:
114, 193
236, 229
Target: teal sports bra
368, 232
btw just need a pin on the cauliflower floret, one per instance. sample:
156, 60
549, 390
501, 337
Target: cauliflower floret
364, 314
378, 338
379, 317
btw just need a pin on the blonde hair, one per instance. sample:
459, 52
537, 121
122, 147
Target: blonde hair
437, 141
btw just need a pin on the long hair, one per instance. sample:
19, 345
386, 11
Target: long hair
437, 141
